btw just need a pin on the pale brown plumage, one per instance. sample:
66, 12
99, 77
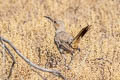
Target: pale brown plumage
65, 41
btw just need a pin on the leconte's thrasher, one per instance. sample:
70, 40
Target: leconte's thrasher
64, 40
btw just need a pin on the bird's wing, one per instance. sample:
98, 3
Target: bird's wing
67, 47
63, 40
65, 37
77, 38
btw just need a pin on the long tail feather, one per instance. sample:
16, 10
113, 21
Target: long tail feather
79, 36
82, 32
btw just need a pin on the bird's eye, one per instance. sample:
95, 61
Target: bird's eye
55, 22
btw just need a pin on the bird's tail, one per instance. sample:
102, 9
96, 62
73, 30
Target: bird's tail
77, 38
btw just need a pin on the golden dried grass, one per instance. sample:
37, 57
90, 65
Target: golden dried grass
22, 22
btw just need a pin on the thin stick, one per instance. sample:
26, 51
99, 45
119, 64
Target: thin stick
13, 59
11, 55
57, 73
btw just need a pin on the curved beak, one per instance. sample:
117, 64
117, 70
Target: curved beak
56, 25
50, 19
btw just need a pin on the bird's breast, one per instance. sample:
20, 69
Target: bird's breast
63, 36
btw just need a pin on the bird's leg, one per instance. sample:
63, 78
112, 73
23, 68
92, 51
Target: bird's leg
64, 57
65, 61
71, 58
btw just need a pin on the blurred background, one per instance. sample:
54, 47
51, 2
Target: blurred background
22, 22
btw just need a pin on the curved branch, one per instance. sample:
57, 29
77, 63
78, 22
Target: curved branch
13, 59
57, 73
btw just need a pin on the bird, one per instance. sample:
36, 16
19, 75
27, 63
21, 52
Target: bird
64, 40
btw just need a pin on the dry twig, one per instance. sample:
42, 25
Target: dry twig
54, 72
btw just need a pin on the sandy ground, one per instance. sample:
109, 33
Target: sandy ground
22, 22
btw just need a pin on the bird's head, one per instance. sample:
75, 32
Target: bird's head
58, 24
